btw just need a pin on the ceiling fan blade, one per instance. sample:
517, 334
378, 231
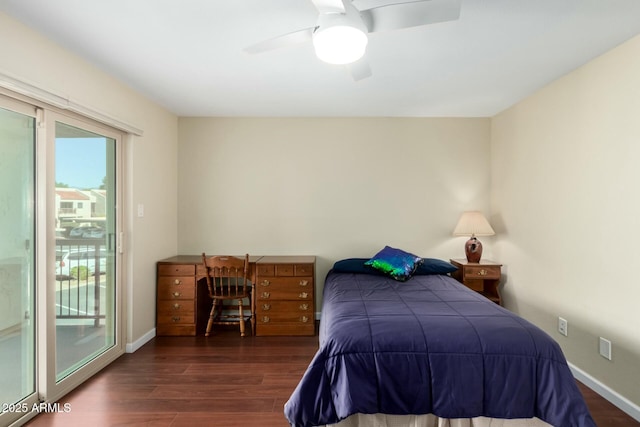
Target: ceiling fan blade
329, 6
285, 40
359, 70
410, 14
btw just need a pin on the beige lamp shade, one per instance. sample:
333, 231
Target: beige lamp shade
473, 223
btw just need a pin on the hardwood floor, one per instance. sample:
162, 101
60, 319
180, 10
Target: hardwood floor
224, 380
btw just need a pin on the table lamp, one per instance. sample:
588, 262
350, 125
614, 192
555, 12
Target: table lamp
473, 223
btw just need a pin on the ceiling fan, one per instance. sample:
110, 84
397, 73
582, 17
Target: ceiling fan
340, 34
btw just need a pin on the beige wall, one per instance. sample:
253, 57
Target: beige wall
330, 187
565, 198
151, 176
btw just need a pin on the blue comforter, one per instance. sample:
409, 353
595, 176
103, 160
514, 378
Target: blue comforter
430, 345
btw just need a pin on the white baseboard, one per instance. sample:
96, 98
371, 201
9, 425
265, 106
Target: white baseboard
612, 396
132, 347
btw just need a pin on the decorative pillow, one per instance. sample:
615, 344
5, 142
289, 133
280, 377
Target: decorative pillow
434, 266
355, 265
396, 263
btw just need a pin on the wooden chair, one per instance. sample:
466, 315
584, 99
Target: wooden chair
227, 280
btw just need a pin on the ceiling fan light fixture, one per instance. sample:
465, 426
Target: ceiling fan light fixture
340, 44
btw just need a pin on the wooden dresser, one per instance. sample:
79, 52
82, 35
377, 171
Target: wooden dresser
482, 277
285, 295
284, 301
176, 298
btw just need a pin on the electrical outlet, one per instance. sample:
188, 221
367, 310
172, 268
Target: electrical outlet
605, 348
563, 326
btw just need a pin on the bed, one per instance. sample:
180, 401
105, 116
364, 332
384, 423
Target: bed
429, 352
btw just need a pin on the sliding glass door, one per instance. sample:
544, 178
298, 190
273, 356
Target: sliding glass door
60, 220
17, 259
85, 246
83, 293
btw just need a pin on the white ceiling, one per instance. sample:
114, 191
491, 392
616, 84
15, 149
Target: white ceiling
187, 55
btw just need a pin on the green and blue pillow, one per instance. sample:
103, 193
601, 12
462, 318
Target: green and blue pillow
395, 263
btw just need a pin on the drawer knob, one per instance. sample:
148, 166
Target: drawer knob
304, 306
176, 294
177, 282
304, 282
266, 307
265, 319
303, 295
265, 283
175, 319
176, 306
266, 295
482, 272
304, 319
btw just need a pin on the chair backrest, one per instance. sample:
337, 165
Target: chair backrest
226, 276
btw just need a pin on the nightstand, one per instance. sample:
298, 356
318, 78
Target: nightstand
482, 277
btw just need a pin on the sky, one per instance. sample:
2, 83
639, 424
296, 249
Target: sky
81, 162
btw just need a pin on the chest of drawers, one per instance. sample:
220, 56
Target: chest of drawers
176, 299
285, 295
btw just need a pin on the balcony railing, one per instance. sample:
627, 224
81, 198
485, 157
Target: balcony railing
80, 279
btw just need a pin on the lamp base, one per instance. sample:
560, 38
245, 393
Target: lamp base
473, 250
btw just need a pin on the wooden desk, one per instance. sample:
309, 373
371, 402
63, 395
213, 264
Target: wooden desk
183, 303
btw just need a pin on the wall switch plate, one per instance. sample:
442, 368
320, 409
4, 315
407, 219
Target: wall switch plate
563, 326
605, 348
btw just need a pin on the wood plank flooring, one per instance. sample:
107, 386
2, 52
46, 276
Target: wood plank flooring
223, 380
